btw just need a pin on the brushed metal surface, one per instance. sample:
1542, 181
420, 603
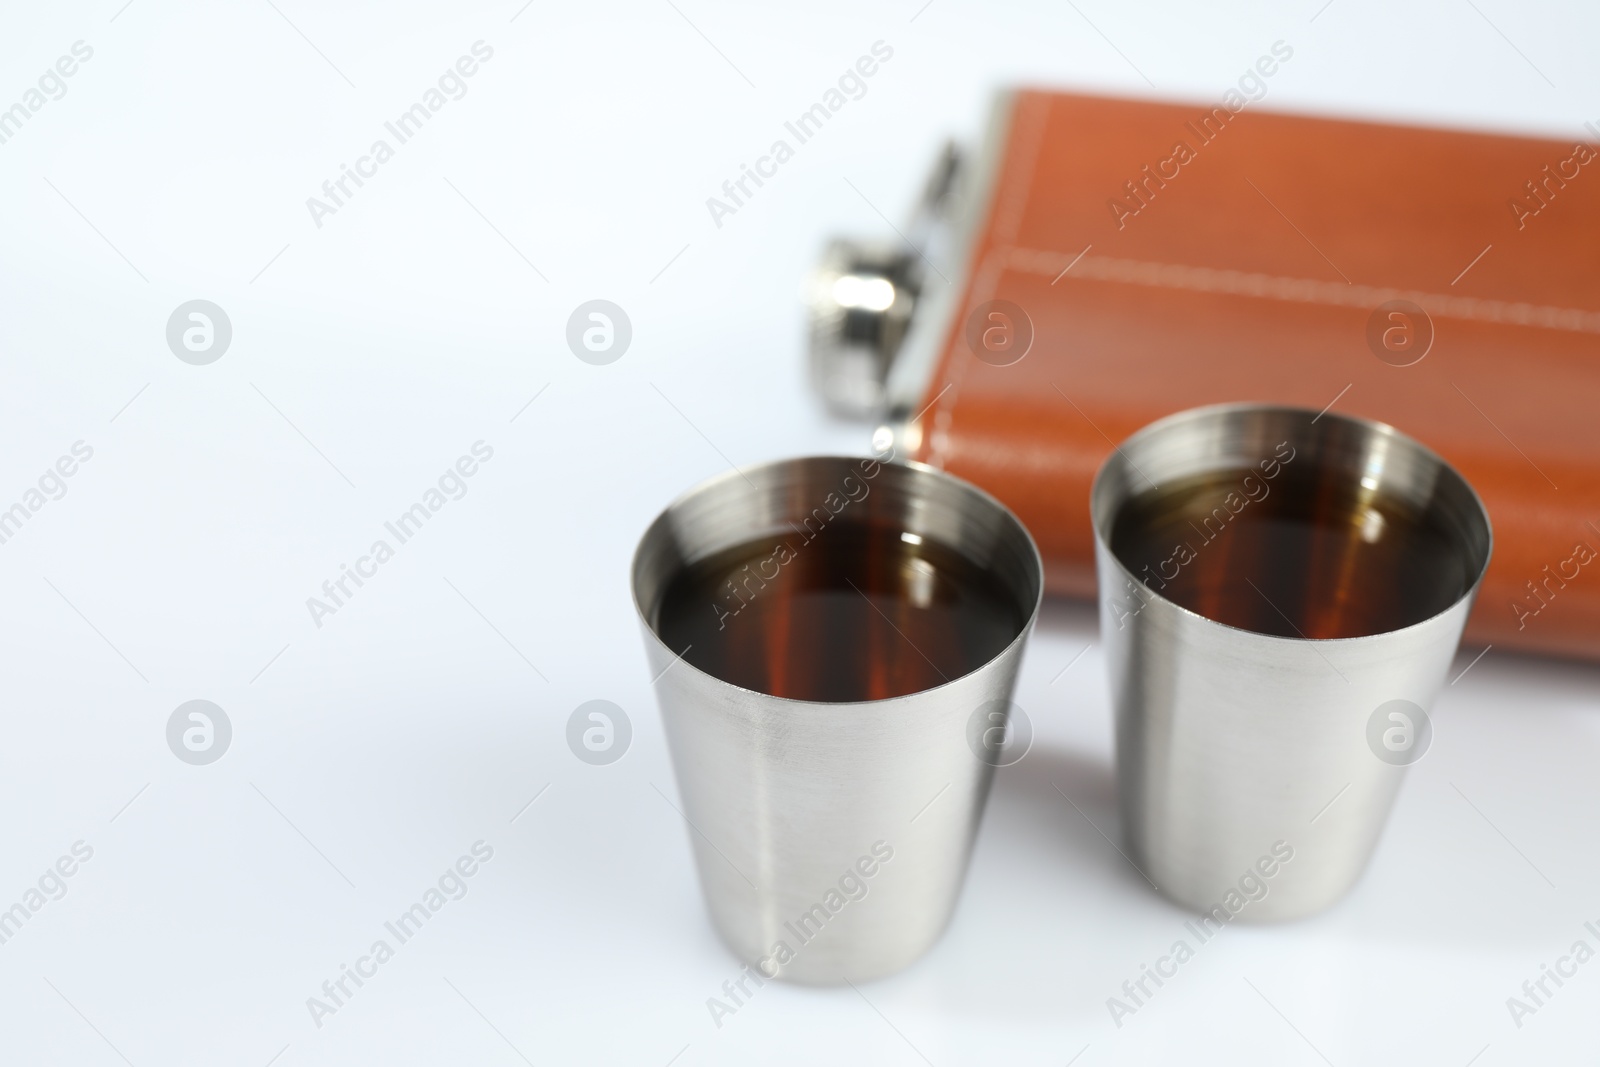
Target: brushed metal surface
790, 801
1231, 743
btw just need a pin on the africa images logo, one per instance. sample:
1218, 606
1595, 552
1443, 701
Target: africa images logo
805, 126
337, 191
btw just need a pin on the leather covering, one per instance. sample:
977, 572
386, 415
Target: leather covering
1168, 256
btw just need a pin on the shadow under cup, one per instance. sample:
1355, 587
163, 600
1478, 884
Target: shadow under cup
823, 632
1275, 586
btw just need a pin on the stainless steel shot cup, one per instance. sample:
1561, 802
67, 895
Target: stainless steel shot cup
1255, 770
831, 839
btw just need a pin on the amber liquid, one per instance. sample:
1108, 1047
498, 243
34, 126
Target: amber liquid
1314, 557
856, 613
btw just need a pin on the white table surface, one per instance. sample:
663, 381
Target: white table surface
368, 354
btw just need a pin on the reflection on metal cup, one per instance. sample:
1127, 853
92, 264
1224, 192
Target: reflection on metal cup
1281, 595
821, 632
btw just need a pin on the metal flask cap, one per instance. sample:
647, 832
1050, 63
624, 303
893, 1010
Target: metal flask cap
831, 838
1258, 757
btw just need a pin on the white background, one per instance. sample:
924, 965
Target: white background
368, 354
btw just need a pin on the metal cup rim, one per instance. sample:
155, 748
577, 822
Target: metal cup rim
1035, 560
1213, 411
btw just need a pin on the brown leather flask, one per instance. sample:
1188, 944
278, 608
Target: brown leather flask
1101, 263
